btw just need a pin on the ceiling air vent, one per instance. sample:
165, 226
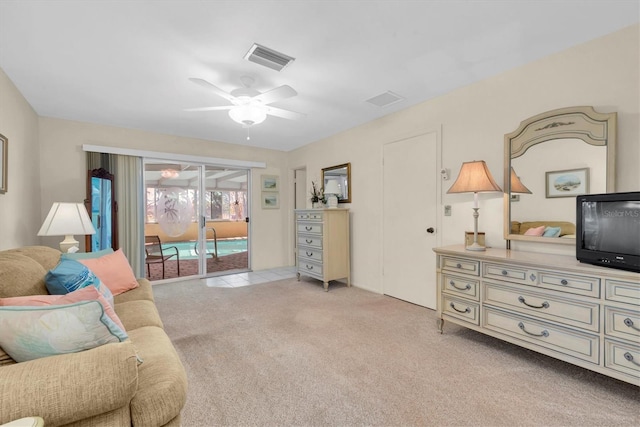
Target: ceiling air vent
385, 99
268, 57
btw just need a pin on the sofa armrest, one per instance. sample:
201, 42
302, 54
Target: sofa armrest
71, 387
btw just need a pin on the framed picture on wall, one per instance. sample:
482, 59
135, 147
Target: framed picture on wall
270, 200
4, 161
269, 183
567, 183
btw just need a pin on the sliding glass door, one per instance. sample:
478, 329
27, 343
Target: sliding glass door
196, 220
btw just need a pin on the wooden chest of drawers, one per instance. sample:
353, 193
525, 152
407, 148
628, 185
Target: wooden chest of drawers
582, 314
322, 237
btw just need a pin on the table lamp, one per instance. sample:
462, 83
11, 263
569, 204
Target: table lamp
67, 219
474, 177
331, 190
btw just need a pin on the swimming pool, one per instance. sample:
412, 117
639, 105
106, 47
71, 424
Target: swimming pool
187, 250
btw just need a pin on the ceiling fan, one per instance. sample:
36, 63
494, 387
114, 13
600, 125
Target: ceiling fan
249, 106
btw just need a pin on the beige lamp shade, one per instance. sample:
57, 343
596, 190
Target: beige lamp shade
516, 185
474, 177
67, 219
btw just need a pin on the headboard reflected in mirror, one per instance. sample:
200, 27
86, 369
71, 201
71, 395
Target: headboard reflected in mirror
549, 160
342, 174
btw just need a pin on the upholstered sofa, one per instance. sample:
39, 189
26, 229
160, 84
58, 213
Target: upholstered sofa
139, 381
567, 229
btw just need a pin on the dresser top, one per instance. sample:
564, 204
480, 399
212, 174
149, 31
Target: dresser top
536, 259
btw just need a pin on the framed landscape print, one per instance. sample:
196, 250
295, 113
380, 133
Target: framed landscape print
269, 183
270, 200
4, 162
567, 183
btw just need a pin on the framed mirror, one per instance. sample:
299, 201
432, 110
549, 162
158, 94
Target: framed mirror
102, 208
549, 160
342, 174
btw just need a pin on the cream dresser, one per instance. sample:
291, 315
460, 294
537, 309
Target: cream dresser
322, 237
553, 304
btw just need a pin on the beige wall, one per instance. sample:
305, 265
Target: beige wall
472, 122
20, 213
61, 144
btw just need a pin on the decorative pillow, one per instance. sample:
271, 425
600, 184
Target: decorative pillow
535, 231
88, 293
70, 275
114, 271
32, 332
86, 255
551, 232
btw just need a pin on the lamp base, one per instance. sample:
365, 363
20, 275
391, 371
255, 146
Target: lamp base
68, 243
476, 247
332, 202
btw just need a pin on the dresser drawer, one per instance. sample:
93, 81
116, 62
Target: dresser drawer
461, 265
310, 268
545, 306
622, 291
309, 254
543, 334
622, 357
310, 228
579, 285
314, 242
509, 272
309, 216
622, 323
462, 286
461, 309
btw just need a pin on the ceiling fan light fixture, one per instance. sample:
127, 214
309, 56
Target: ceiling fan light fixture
248, 115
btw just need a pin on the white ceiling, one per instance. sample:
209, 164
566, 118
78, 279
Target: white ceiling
127, 63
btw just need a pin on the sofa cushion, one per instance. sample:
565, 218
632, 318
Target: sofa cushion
162, 382
136, 314
45, 256
20, 275
144, 291
114, 271
70, 275
33, 332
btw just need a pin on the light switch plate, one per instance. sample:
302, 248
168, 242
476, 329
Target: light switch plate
447, 210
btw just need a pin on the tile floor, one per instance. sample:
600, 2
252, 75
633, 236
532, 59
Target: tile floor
250, 278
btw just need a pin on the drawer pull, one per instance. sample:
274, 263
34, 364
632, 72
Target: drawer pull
466, 288
505, 272
466, 310
306, 227
544, 333
532, 277
544, 304
629, 357
309, 267
564, 282
628, 322
309, 241
458, 265
309, 254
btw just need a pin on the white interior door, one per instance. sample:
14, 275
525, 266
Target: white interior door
410, 183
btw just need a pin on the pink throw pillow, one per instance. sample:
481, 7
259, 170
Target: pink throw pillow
537, 231
88, 293
114, 271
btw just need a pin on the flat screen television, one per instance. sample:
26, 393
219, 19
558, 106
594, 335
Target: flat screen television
608, 230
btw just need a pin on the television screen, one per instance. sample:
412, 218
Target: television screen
611, 226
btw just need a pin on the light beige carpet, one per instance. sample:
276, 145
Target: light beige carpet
287, 353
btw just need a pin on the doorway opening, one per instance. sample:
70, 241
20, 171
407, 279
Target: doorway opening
196, 220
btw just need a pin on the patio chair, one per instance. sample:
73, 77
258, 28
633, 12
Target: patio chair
155, 253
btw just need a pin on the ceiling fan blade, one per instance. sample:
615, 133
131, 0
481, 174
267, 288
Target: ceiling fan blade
224, 107
282, 92
213, 88
285, 114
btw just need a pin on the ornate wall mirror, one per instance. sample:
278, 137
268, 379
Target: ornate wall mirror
549, 160
342, 174
102, 208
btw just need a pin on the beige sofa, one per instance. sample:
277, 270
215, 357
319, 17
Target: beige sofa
567, 229
104, 386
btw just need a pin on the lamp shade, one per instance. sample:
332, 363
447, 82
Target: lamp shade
248, 115
474, 177
516, 185
65, 219
332, 187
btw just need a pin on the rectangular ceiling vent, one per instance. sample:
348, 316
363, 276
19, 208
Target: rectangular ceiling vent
268, 57
385, 99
